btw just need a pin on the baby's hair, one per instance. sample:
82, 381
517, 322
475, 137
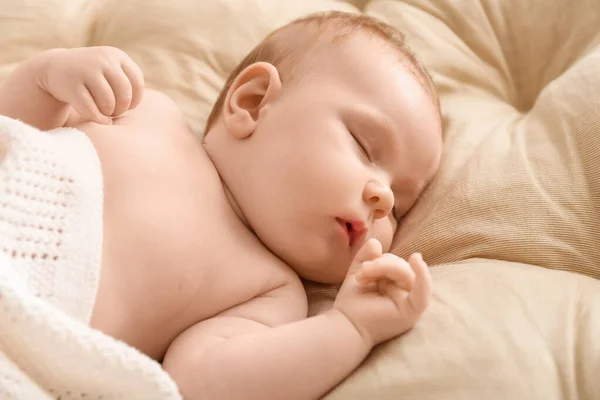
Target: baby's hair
286, 48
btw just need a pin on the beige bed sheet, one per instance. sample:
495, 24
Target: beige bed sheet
516, 199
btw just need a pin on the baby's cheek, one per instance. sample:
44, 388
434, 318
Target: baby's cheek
383, 230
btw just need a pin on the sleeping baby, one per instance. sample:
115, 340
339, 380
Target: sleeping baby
322, 139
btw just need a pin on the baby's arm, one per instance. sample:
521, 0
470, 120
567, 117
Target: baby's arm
234, 357
259, 353
22, 97
90, 84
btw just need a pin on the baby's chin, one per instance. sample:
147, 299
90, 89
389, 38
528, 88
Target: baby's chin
313, 259
321, 271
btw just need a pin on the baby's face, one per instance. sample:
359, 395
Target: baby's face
340, 157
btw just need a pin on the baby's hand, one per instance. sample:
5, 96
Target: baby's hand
98, 82
383, 295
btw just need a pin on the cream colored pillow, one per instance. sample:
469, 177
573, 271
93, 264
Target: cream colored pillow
28, 27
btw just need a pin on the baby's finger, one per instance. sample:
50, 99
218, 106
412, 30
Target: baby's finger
86, 107
369, 251
387, 267
102, 94
121, 88
420, 294
394, 293
136, 79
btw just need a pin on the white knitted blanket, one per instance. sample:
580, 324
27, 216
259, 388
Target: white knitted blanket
50, 248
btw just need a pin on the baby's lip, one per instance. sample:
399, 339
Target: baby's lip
354, 229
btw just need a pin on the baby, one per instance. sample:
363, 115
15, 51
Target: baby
321, 141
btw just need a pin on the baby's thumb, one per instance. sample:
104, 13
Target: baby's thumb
89, 112
369, 251
103, 119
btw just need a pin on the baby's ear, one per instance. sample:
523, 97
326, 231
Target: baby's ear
254, 88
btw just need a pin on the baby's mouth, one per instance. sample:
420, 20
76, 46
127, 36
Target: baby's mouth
355, 230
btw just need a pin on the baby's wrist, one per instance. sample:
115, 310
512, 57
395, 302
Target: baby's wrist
40, 65
345, 323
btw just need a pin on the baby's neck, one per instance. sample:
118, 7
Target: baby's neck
213, 146
234, 205
230, 198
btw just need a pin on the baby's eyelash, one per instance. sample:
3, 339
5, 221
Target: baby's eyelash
362, 147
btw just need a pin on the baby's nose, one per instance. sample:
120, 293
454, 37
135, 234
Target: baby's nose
379, 198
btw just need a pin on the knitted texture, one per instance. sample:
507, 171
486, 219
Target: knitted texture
51, 214
50, 248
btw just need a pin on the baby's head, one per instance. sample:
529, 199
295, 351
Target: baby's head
325, 135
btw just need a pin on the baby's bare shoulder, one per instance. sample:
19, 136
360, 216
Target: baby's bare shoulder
154, 105
154, 134
158, 116
282, 304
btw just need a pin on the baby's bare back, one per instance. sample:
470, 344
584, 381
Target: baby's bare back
174, 252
